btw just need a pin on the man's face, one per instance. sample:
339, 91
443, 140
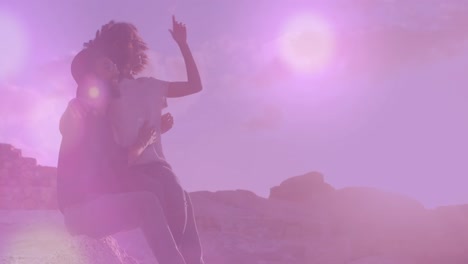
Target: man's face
106, 70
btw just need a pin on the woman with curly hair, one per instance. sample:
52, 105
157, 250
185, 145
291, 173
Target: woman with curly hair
91, 165
139, 101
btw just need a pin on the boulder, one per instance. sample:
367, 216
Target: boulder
78, 250
23, 183
382, 260
8, 151
39, 237
308, 188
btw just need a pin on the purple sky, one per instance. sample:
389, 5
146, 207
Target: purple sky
388, 110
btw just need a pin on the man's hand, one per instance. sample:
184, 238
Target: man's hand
167, 121
178, 32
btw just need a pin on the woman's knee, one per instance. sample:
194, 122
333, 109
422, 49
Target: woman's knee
149, 200
151, 207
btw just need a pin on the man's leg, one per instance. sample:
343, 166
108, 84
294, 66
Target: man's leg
190, 245
112, 213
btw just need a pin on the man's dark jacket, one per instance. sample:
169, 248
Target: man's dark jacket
90, 162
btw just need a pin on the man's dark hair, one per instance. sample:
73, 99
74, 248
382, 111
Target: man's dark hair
114, 39
83, 64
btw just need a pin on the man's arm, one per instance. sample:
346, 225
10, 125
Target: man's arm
73, 116
193, 83
73, 127
67, 120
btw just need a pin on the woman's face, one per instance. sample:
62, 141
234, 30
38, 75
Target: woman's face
126, 50
129, 52
106, 70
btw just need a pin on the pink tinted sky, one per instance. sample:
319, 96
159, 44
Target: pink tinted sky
388, 111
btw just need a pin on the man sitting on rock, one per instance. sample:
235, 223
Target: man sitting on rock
91, 165
139, 99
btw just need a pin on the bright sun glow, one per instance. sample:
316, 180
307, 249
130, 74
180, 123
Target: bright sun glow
42, 122
41, 242
12, 44
306, 43
93, 92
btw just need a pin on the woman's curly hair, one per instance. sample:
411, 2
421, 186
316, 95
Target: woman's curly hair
122, 44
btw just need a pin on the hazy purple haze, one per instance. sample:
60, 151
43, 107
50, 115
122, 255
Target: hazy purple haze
388, 108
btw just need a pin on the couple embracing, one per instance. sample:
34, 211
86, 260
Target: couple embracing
112, 173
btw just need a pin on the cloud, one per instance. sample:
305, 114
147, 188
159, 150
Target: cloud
228, 68
30, 109
270, 74
269, 117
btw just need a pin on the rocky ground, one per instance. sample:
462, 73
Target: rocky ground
303, 221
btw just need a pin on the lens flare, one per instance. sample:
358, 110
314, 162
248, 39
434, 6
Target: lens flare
93, 92
13, 45
306, 43
42, 121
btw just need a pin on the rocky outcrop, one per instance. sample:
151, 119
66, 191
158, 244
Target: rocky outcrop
40, 237
23, 183
310, 188
305, 220
79, 250
382, 260
240, 227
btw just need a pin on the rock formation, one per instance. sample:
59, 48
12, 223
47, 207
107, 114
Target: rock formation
23, 183
304, 220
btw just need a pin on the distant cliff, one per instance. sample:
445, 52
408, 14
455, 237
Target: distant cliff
23, 183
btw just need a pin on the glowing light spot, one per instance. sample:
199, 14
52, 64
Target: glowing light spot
41, 241
306, 43
93, 92
41, 119
13, 45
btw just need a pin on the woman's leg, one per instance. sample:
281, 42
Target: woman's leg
163, 183
190, 245
112, 213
